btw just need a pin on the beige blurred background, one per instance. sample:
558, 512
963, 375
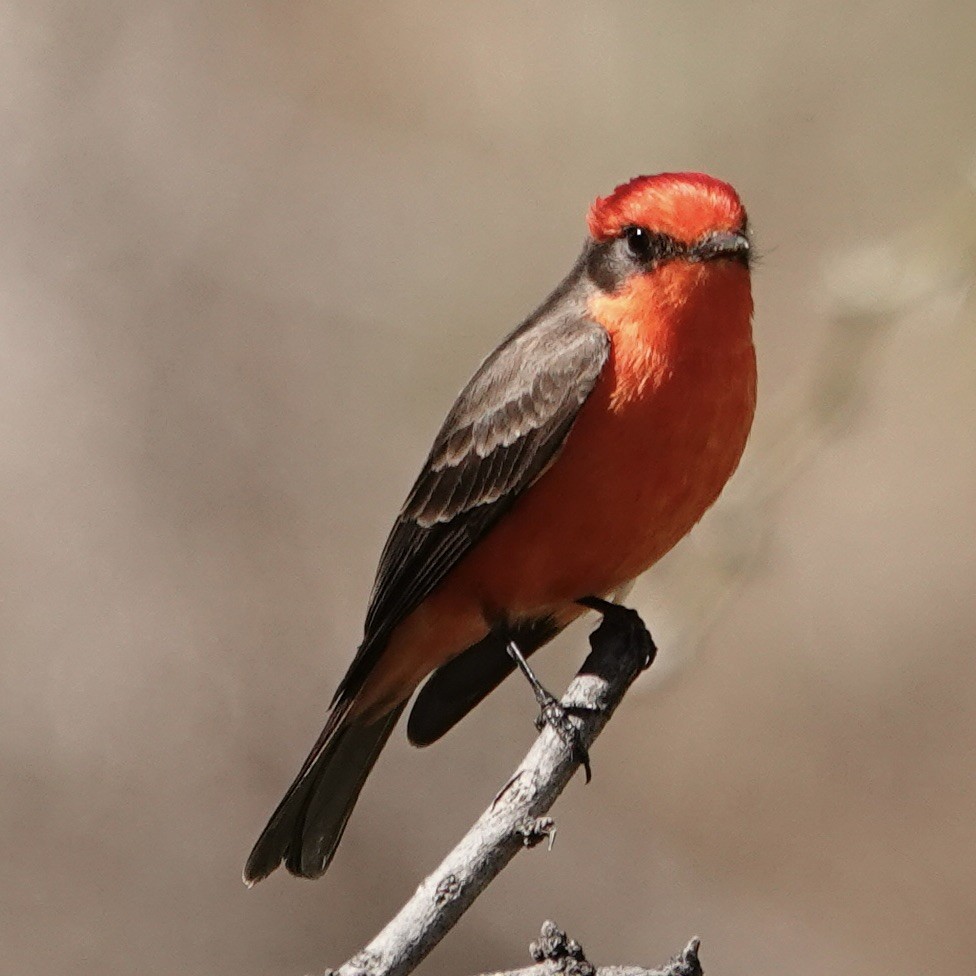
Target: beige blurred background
248, 254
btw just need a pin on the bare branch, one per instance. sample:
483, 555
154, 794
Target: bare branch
621, 648
555, 953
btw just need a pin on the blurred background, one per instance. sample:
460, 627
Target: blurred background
249, 253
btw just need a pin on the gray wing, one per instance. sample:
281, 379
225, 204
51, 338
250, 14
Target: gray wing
503, 431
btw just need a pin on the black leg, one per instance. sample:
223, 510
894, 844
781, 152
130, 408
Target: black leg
551, 712
626, 618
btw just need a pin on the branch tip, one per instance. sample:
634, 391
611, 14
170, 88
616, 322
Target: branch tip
688, 963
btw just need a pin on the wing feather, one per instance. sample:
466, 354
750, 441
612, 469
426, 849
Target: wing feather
504, 430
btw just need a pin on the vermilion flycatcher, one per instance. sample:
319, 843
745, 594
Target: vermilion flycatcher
584, 447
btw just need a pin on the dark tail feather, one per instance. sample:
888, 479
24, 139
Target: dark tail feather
305, 830
454, 689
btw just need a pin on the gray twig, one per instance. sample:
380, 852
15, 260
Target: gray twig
555, 953
621, 649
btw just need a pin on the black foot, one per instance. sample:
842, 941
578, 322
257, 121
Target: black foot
626, 619
551, 712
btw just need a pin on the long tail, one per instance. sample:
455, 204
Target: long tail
305, 830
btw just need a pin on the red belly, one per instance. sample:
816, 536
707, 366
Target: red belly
633, 477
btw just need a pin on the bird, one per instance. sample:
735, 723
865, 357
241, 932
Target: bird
584, 447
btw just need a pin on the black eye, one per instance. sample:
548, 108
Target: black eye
639, 241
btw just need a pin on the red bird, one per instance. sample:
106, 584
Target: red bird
584, 447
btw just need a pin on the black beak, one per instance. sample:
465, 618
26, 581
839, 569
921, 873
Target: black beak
722, 244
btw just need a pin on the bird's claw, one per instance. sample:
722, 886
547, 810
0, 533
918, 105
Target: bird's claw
553, 713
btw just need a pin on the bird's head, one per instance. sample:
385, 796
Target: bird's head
687, 216
675, 245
